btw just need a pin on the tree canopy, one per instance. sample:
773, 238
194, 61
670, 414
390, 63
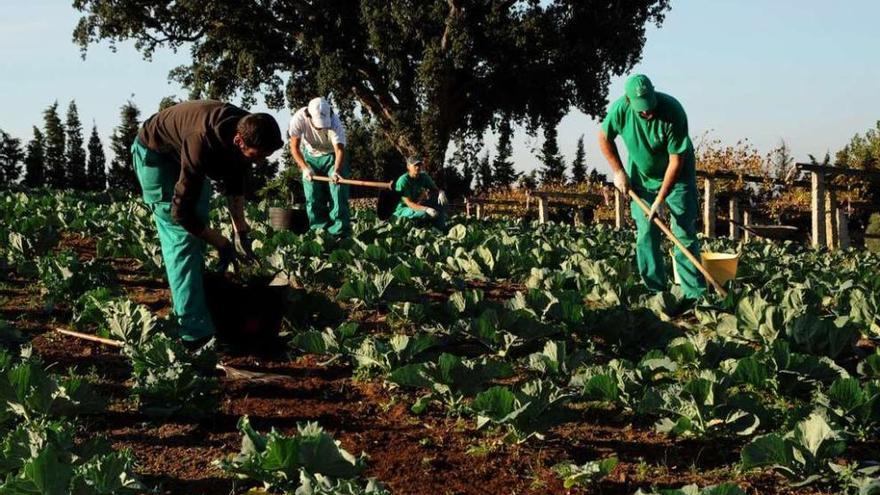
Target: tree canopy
426, 71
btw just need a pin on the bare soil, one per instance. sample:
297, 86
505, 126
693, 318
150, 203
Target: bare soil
426, 454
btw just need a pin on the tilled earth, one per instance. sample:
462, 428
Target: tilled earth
426, 454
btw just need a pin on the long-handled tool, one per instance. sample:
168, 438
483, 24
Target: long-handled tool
765, 231
388, 197
693, 259
230, 372
356, 182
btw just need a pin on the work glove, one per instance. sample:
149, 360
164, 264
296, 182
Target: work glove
621, 182
656, 211
431, 212
441, 198
243, 245
227, 256
307, 174
335, 177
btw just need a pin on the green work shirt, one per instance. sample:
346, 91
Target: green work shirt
650, 142
412, 188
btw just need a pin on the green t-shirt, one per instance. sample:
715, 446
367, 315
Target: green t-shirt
412, 188
650, 142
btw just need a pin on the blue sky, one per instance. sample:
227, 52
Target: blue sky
804, 71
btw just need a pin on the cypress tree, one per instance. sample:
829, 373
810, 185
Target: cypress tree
121, 176
553, 167
503, 174
579, 164
76, 154
96, 172
56, 172
35, 161
11, 156
484, 174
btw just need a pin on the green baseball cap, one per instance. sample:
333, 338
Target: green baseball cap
640, 92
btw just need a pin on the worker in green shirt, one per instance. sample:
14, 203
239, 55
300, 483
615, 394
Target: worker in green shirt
661, 169
413, 187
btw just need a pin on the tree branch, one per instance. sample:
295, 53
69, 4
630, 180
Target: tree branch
454, 9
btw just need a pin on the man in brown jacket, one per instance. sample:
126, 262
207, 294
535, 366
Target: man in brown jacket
175, 152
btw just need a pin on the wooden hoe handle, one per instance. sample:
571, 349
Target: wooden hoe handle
355, 182
693, 259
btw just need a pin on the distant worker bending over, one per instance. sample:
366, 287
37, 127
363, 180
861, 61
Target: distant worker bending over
415, 202
661, 169
317, 143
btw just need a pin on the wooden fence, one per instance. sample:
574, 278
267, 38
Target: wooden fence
829, 222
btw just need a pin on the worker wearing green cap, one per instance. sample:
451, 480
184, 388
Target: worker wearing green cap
661, 169
415, 204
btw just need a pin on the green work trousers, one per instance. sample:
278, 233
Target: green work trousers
683, 209
420, 216
327, 203
182, 252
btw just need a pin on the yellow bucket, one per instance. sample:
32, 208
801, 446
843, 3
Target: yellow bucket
722, 266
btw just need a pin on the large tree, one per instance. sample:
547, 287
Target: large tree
121, 176
35, 161
552, 165
579, 164
56, 169
96, 169
427, 71
11, 156
76, 154
371, 155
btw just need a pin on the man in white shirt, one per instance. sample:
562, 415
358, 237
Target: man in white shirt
317, 142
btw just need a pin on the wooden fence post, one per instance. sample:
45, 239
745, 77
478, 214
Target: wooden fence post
734, 215
619, 218
842, 229
747, 221
542, 209
831, 234
479, 211
467, 208
709, 207
817, 205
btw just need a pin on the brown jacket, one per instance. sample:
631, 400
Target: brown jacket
198, 134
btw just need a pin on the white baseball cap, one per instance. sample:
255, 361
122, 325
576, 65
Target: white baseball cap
320, 112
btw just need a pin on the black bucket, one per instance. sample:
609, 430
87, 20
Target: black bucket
247, 316
388, 201
289, 219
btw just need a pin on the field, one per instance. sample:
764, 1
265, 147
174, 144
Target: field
495, 357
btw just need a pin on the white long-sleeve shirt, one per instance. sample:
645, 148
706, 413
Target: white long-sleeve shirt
317, 142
